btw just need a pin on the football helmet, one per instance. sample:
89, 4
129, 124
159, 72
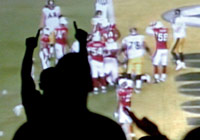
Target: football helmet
63, 20
158, 24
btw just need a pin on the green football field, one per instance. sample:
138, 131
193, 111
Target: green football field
159, 102
20, 19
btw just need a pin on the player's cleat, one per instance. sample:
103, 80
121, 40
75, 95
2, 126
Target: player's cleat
179, 65
162, 79
146, 78
183, 65
96, 90
156, 81
103, 89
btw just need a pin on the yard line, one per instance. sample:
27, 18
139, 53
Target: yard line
189, 89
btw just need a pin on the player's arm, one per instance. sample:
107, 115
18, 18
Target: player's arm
81, 36
147, 49
149, 30
42, 20
145, 124
118, 34
122, 50
28, 85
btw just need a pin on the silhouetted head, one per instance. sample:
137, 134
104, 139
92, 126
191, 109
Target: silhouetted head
47, 80
74, 78
193, 134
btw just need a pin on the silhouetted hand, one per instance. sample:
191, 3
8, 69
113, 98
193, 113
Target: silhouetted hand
80, 34
144, 124
31, 42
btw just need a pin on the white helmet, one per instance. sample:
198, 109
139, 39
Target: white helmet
125, 83
63, 20
158, 24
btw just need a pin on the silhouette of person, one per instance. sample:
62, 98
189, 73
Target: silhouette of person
73, 85
61, 111
35, 103
194, 134
147, 126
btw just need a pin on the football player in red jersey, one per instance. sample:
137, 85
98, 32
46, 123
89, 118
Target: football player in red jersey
124, 94
45, 49
110, 36
160, 56
95, 51
61, 34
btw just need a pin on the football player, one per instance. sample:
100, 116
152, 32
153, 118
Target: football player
50, 18
45, 49
95, 51
106, 6
75, 47
179, 33
61, 34
124, 94
98, 20
110, 36
134, 47
160, 56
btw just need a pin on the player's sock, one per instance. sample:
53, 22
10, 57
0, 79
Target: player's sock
95, 90
95, 82
138, 86
181, 56
175, 56
102, 81
157, 78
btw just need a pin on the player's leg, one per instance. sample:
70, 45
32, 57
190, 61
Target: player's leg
101, 76
126, 124
180, 51
58, 51
130, 67
176, 51
114, 70
164, 61
43, 54
173, 50
94, 73
138, 72
107, 70
156, 62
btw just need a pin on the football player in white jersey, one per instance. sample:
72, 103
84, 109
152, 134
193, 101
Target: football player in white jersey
50, 18
134, 47
179, 33
106, 6
98, 21
61, 38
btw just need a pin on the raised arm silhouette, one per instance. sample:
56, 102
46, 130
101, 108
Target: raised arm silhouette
61, 112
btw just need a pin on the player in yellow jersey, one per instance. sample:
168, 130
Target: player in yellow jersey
179, 33
134, 47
